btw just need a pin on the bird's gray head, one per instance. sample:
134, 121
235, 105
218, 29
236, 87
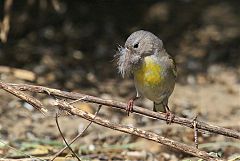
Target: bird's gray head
137, 46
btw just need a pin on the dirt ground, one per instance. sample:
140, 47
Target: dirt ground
73, 50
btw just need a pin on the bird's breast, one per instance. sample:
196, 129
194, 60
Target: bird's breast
149, 73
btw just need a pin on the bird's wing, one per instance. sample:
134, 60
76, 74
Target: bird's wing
168, 60
173, 65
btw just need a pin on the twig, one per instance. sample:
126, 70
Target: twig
195, 132
78, 136
65, 141
119, 105
5, 25
29, 99
80, 99
135, 131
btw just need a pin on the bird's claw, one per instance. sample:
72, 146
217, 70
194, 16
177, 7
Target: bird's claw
129, 107
169, 117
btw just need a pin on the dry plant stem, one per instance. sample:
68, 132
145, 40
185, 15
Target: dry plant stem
29, 99
78, 136
65, 141
195, 132
5, 24
134, 131
119, 105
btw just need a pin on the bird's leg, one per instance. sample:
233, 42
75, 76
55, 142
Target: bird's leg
154, 107
169, 115
130, 104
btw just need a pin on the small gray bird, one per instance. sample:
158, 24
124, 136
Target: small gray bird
153, 69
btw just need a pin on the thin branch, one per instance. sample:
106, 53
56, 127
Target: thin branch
201, 126
65, 141
135, 131
29, 99
195, 132
78, 136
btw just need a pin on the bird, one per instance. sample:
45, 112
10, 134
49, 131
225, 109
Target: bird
153, 69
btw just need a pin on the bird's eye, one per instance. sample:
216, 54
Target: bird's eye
135, 45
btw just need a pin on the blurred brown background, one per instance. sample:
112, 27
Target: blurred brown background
70, 45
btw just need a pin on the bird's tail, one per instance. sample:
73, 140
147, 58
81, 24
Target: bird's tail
159, 107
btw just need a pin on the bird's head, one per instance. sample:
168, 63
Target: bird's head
137, 46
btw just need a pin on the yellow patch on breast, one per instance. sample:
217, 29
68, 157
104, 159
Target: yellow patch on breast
149, 73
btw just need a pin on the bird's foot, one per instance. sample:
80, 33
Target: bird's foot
130, 104
129, 107
169, 117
